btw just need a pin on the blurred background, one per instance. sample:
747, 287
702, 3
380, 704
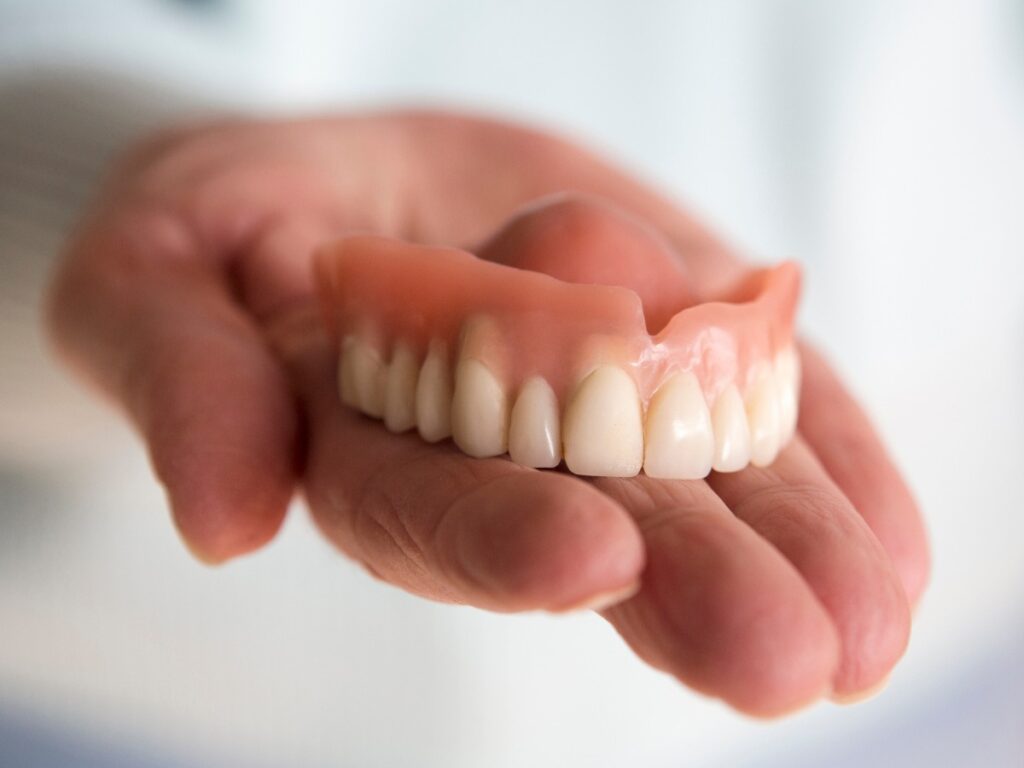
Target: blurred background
880, 142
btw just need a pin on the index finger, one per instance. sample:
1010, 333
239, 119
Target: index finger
443, 525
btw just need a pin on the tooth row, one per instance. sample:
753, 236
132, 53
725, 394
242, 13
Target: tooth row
603, 431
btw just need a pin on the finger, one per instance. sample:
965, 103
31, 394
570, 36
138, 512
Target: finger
435, 522
533, 164
842, 437
719, 608
138, 309
796, 507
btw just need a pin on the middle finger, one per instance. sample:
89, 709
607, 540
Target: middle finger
796, 507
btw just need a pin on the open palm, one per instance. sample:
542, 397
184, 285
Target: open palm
187, 295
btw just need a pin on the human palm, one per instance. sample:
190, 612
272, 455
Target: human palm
187, 294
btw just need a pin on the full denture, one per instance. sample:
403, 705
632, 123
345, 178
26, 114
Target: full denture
511, 360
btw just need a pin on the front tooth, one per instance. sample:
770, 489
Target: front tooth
732, 437
679, 442
787, 373
604, 425
400, 390
534, 438
367, 377
434, 396
347, 373
763, 418
479, 411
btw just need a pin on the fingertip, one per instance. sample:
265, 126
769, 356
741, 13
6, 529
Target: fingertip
736, 621
908, 547
858, 697
538, 540
224, 442
219, 519
875, 632
785, 660
777, 693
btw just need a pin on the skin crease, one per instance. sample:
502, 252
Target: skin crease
186, 296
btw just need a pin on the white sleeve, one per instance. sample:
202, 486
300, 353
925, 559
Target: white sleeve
58, 132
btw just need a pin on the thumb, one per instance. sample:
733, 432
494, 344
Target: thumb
141, 310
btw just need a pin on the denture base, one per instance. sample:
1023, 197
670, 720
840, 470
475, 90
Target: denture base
503, 359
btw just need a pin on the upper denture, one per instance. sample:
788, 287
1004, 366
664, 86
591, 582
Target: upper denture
489, 353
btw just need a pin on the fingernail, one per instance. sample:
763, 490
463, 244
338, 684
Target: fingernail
202, 557
603, 600
856, 697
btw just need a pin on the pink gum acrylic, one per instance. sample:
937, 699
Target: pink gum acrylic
522, 324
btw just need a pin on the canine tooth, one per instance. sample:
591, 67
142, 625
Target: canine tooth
367, 377
434, 396
732, 437
400, 390
679, 442
763, 419
787, 373
347, 373
604, 425
479, 411
534, 438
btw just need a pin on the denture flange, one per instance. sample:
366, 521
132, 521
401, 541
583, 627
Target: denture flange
503, 359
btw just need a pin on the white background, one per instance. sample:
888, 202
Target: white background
882, 143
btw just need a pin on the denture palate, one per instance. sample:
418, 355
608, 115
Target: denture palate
508, 360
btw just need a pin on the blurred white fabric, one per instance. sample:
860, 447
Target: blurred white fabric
880, 142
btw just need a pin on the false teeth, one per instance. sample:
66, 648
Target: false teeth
604, 425
479, 416
679, 442
787, 372
534, 435
732, 437
434, 396
347, 373
604, 431
486, 348
400, 390
363, 377
763, 419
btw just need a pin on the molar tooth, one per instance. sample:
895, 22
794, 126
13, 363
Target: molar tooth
347, 373
763, 418
367, 377
787, 375
479, 411
434, 396
732, 437
400, 390
604, 425
679, 442
534, 438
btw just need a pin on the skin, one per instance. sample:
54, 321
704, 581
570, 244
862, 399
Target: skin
186, 296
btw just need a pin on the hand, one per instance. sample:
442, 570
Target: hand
187, 296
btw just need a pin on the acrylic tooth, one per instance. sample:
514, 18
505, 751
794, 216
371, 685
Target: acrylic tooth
679, 442
534, 438
479, 411
368, 378
434, 396
604, 425
787, 375
732, 437
347, 373
763, 419
400, 390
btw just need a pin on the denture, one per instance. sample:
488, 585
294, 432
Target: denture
504, 359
